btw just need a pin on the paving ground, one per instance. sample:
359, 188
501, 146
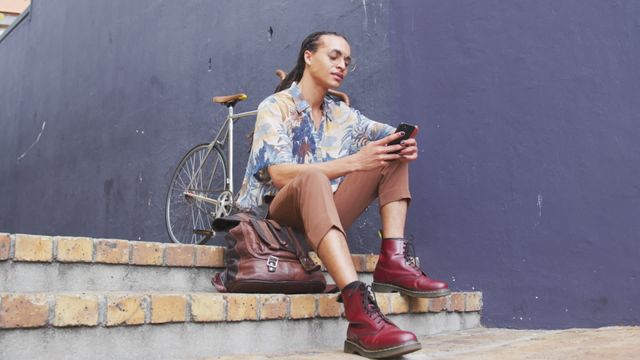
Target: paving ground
497, 344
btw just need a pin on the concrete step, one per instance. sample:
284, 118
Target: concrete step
32, 263
187, 325
74, 296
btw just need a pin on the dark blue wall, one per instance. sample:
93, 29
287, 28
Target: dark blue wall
530, 171
526, 187
122, 90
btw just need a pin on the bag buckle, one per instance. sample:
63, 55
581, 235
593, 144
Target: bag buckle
272, 263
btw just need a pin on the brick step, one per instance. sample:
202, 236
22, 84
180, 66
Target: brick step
188, 325
30, 263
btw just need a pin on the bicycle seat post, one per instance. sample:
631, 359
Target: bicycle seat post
230, 156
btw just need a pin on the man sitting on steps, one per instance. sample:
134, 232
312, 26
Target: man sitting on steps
324, 163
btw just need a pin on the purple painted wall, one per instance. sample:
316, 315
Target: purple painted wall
98, 105
528, 181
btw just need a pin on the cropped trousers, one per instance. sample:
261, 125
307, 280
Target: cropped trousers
308, 204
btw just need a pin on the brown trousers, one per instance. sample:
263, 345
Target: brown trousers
308, 204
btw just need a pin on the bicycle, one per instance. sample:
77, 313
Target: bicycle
201, 188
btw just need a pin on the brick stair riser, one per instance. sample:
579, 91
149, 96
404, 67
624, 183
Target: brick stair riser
196, 325
37, 248
34, 310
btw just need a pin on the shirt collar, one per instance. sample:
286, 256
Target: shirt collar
302, 105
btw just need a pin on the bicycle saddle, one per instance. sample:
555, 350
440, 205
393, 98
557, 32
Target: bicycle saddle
229, 100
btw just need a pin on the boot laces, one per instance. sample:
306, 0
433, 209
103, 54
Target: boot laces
370, 303
410, 254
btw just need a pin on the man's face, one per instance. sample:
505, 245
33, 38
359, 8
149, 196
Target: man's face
329, 65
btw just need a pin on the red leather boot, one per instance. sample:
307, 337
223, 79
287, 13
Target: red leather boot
397, 271
370, 333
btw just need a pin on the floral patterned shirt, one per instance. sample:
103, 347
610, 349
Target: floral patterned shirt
285, 133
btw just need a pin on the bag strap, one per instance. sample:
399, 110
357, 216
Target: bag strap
265, 232
308, 264
280, 232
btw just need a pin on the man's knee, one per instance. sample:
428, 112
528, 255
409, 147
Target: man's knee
395, 165
396, 169
312, 178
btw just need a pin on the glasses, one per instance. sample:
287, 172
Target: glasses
337, 58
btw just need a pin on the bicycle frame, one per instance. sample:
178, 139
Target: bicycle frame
200, 191
228, 124
224, 135
230, 119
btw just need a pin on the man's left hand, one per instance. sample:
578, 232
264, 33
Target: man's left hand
410, 152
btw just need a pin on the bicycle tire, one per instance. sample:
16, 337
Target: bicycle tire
189, 219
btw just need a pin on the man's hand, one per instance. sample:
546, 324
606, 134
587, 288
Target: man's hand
378, 153
410, 151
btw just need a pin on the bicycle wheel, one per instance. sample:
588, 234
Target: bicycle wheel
197, 184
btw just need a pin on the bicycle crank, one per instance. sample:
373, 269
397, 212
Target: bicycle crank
225, 204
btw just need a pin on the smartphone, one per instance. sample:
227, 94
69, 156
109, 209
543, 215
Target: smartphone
410, 131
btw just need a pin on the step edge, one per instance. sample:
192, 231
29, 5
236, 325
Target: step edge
78, 249
113, 309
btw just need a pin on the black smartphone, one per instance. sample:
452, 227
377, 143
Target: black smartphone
410, 131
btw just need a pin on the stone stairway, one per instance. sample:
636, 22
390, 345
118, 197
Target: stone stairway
75, 297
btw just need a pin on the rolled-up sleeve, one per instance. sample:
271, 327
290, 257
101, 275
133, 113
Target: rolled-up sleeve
366, 130
271, 140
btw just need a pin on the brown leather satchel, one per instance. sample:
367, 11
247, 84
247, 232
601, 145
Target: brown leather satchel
264, 257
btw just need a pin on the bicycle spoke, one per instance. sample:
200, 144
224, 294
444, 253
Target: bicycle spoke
213, 171
194, 236
189, 218
180, 225
182, 183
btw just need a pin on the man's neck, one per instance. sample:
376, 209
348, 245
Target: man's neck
312, 93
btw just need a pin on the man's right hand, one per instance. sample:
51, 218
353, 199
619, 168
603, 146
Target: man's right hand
378, 153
